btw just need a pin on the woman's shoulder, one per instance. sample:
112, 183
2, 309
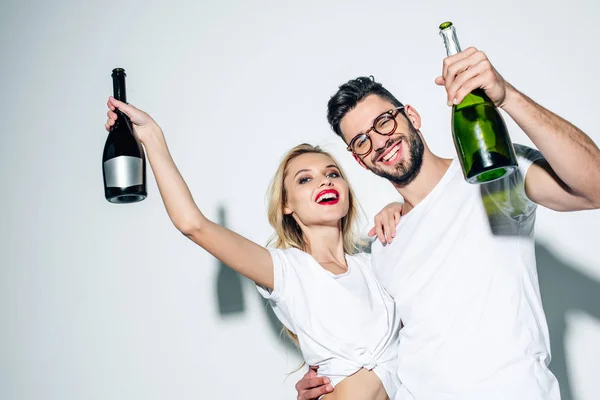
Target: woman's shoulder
362, 258
290, 255
288, 251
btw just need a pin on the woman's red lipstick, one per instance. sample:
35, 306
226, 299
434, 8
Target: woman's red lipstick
328, 197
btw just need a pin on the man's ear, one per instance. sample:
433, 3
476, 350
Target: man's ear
413, 116
360, 161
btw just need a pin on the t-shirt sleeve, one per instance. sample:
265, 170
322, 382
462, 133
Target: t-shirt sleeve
282, 272
507, 196
286, 284
526, 156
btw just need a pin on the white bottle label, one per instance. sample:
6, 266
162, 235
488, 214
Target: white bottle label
124, 171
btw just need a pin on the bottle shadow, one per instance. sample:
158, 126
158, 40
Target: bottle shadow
230, 295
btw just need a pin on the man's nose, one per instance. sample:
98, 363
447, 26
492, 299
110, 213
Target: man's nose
379, 141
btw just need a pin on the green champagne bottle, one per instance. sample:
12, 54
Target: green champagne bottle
481, 139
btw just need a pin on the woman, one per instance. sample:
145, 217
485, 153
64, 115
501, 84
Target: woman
320, 288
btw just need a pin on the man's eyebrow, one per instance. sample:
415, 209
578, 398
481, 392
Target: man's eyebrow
362, 132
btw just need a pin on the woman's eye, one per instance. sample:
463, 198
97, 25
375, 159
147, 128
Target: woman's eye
303, 180
333, 175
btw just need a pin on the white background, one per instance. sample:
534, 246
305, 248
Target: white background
103, 301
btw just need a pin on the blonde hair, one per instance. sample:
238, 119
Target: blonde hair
288, 233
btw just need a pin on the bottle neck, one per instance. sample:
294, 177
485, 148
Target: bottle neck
118, 76
450, 40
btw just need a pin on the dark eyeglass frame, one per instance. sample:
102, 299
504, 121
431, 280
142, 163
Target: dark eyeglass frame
390, 114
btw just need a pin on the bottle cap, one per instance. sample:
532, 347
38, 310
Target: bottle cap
118, 71
445, 25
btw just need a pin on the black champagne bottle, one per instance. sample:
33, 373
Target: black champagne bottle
124, 160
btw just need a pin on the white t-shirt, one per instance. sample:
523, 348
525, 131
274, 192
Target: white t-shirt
343, 322
463, 274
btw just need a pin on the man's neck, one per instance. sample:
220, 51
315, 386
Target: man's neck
432, 171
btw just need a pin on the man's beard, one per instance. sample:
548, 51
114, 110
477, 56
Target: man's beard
408, 169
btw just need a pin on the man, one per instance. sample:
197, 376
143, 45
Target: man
461, 266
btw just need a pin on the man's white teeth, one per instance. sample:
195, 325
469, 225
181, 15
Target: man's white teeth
326, 197
392, 153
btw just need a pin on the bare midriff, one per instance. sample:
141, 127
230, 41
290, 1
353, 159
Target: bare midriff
362, 385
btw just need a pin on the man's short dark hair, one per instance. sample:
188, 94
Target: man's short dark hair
350, 94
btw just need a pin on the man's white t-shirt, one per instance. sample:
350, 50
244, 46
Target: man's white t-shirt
463, 274
343, 322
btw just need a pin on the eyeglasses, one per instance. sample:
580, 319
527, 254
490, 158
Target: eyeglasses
385, 124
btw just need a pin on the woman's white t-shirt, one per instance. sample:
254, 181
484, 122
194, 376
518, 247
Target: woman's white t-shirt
343, 322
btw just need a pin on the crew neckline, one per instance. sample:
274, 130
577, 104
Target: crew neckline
448, 175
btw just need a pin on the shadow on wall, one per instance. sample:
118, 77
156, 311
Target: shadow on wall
562, 286
230, 294
563, 289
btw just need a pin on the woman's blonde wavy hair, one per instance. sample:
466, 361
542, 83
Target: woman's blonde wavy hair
288, 233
